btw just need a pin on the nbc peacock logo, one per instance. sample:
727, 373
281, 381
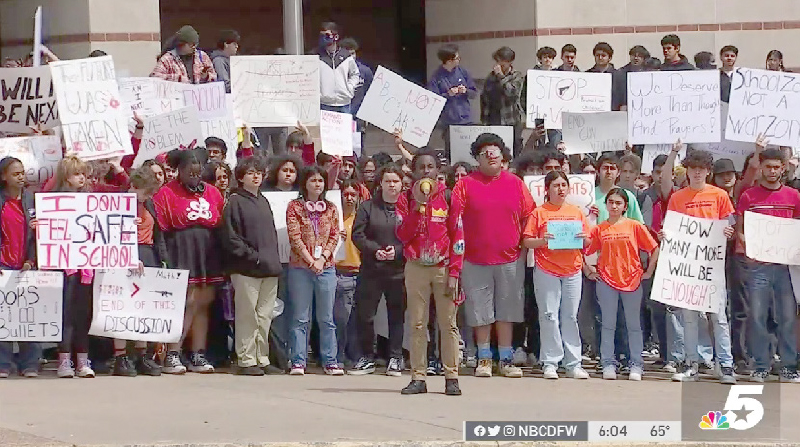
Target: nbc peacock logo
714, 420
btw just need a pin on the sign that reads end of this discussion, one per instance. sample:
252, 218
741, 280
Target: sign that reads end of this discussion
86, 231
31, 306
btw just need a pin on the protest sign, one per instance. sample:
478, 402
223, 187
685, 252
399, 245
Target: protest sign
276, 91
147, 307
393, 103
772, 239
552, 92
564, 232
171, 130
39, 155
462, 137
764, 102
336, 133
28, 99
581, 190
93, 119
691, 264
86, 231
651, 151
664, 106
31, 306
147, 96
585, 133
209, 99
279, 202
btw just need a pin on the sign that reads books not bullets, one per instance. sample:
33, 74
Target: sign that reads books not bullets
86, 231
148, 307
31, 305
552, 92
27, 99
691, 264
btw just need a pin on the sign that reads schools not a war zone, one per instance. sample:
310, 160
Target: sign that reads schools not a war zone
86, 231
394, 103
93, 118
27, 100
147, 307
670, 105
552, 92
31, 305
691, 264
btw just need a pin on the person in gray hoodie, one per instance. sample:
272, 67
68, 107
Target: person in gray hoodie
227, 46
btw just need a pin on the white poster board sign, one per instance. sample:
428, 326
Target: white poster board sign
462, 137
336, 133
552, 92
147, 96
651, 151
27, 99
394, 103
171, 130
276, 91
279, 202
691, 264
31, 306
772, 239
209, 99
148, 307
93, 118
585, 133
581, 190
664, 106
764, 102
88, 231
39, 155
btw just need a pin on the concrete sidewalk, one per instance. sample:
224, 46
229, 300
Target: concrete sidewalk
227, 410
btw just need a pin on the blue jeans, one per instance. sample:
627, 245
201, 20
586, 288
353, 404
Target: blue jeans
304, 287
609, 299
669, 327
558, 299
340, 109
29, 354
342, 308
764, 280
695, 327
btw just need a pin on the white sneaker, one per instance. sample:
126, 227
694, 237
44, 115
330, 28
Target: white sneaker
297, 370
636, 373
610, 372
519, 357
577, 373
84, 369
670, 367
484, 368
172, 364
550, 372
509, 370
65, 369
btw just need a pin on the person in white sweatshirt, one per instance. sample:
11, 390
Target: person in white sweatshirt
339, 75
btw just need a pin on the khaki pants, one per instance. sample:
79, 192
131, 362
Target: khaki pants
254, 299
421, 281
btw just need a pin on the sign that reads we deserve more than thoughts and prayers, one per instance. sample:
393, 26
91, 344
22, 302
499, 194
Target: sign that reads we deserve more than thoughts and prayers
27, 100
31, 306
764, 102
93, 118
147, 307
585, 133
669, 105
86, 231
691, 264
393, 103
552, 92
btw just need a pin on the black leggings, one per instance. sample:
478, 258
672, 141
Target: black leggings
77, 315
371, 286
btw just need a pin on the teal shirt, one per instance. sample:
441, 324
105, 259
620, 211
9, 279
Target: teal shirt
633, 211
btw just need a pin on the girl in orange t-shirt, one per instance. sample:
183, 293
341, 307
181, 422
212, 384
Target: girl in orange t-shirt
557, 280
619, 269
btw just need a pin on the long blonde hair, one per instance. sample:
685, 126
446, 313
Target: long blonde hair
67, 167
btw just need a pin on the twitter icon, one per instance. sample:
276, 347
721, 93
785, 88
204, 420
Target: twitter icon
493, 431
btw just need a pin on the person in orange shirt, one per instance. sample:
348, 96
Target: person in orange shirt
619, 270
557, 280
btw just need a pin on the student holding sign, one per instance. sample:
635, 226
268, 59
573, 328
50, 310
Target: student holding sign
769, 284
619, 271
557, 279
17, 252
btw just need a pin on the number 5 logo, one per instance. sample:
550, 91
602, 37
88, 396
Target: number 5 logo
744, 412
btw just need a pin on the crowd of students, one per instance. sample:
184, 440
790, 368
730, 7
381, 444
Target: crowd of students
443, 243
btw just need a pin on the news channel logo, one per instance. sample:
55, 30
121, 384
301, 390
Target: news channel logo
711, 412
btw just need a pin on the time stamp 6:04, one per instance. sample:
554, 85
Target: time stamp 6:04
635, 431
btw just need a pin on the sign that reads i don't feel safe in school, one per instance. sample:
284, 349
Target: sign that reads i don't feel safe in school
86, 231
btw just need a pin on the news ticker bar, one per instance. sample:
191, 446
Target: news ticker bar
572, 431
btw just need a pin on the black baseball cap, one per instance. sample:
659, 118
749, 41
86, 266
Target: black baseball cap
723, 165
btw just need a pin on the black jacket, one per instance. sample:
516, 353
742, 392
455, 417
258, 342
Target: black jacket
249, 236
29, 209
159, 241
375, 229
619, 85
724, 87
682, 65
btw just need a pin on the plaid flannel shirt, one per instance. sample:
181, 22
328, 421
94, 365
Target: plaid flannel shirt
170, 67
505, 92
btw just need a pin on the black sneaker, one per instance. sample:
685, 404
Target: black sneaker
123, 366
759, 376
431, 368
395, 367
200, 364
272, 370
789, 375
363, 367
451, 387
415, 387
728, 377
249, 371
146, 366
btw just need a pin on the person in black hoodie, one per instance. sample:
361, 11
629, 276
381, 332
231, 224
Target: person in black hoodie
673, 59
382, 266
619, 88
251, 241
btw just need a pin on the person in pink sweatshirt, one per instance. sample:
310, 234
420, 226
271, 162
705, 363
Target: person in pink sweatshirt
494, 206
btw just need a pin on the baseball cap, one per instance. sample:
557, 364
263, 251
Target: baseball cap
723, 165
